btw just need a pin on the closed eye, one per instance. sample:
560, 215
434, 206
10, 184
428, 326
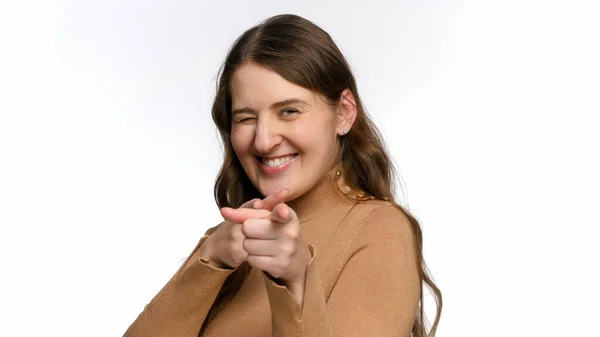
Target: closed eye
243, 118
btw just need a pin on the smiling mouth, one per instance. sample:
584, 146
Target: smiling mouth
276, 162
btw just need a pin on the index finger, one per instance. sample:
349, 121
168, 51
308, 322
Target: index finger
272, 200
240, 215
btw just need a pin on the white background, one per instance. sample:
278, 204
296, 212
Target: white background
108, 153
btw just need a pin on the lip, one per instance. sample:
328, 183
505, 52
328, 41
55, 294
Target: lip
275, 170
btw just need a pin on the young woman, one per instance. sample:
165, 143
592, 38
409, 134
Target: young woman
313, 243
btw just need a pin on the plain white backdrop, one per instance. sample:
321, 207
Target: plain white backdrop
108, 153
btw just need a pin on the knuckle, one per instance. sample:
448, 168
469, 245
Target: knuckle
253, 261
239, 257
274, 271
246, 244
287, 251
281, 271
293, 234
244, 229
240, 251
287, 262
238, 234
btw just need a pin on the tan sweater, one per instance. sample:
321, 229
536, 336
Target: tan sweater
362, 280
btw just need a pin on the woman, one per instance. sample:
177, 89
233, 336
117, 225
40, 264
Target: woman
313, 243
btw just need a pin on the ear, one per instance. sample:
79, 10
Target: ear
346, 112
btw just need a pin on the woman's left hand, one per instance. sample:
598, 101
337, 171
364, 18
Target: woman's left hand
276, 246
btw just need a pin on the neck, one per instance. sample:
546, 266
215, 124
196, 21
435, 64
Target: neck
320, 198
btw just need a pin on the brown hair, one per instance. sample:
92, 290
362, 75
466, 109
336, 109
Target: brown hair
304, 54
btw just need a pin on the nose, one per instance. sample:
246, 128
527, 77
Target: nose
267, 136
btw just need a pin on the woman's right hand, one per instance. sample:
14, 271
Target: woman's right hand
224, 247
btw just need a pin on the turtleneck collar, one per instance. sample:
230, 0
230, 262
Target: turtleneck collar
322, 197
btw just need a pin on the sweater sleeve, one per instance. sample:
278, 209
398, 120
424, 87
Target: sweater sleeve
376, 294
180, 308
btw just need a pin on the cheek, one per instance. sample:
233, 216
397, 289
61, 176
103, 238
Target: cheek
240, 141
319, 137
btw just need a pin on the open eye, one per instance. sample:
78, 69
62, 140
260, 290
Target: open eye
288, 112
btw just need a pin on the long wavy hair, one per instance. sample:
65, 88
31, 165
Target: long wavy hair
304, 54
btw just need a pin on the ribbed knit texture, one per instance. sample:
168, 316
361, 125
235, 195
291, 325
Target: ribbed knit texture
362, 280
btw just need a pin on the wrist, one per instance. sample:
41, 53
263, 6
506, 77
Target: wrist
207, 253
297, 292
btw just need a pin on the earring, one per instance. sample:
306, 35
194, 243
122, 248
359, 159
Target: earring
345, 131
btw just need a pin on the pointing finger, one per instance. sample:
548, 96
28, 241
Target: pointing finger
273, 200
242, 214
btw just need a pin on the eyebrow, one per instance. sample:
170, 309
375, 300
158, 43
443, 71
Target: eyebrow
273, 106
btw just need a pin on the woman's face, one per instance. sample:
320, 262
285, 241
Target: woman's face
284, 135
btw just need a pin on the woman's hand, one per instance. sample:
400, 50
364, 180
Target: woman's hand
274, 243
225, 245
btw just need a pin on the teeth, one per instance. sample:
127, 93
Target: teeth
277, 161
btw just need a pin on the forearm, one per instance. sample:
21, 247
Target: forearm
180, 308
299, 310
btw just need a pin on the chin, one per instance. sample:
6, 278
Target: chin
269, 189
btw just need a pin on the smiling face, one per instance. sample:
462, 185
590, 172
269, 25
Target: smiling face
285, 136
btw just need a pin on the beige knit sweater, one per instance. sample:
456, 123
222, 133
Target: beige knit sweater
362, 280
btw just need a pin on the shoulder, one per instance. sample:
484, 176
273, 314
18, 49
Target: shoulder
383, 220
378, 211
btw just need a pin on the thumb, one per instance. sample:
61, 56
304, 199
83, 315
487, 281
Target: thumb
251, 203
